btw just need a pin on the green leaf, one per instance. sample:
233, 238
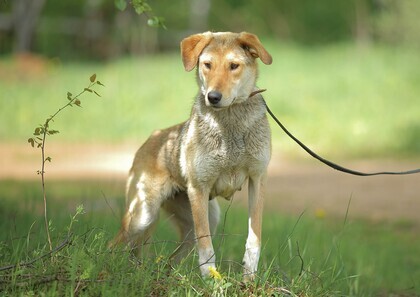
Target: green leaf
52, 132
93, 77
37, 131
87, 89
120, 4
99, 83
31, 141
77, 102
48, 159
97, 94
141, 6
69, 95
156, 22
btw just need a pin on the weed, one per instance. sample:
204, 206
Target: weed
40, 137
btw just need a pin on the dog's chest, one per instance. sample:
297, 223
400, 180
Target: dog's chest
238, 144
230, 166
222, 151
230, 156
225, 147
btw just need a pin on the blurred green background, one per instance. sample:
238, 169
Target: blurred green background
345, 77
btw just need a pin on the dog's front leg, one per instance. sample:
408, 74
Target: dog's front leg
253, 242
199, 200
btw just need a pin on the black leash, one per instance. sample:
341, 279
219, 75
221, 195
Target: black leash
327, 162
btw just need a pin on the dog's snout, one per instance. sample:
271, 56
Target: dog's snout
214, 97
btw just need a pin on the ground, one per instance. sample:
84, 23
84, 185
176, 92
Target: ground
293, 186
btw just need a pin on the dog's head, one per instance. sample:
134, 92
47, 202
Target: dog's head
226, 65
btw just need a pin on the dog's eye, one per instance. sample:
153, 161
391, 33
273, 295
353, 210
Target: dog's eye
207, 65
233, 66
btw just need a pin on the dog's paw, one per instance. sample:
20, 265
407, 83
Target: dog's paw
248, 277
208, 270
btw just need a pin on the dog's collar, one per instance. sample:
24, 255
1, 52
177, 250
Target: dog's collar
256, 92
250, 95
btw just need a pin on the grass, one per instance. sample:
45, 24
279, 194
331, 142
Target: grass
306, 256
341, 100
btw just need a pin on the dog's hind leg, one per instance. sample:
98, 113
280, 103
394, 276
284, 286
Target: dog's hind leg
144, 201
137, 225
180, 209
214, 215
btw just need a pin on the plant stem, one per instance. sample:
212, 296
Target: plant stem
69, 103
46, 131
43, 185
44, 137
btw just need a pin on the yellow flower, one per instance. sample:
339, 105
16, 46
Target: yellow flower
214, 273
320, 213
159, 259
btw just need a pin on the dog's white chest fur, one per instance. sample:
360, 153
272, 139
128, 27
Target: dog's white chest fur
228, 146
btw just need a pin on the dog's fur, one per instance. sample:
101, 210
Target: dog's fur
225, 142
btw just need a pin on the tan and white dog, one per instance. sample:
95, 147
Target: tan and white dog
225, 142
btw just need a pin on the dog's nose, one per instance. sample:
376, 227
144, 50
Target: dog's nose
214, 97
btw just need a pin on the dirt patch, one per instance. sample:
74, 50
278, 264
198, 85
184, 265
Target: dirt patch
292, 187
311, 186
26, 66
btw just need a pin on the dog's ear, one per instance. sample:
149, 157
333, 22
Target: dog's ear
253, 44
191, 48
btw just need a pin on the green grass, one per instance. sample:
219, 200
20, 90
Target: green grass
341, 100
305, 255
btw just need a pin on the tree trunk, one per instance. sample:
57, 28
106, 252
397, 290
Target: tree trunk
362, 30
199, 13
25, 17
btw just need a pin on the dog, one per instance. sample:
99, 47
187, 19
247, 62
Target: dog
225, 142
